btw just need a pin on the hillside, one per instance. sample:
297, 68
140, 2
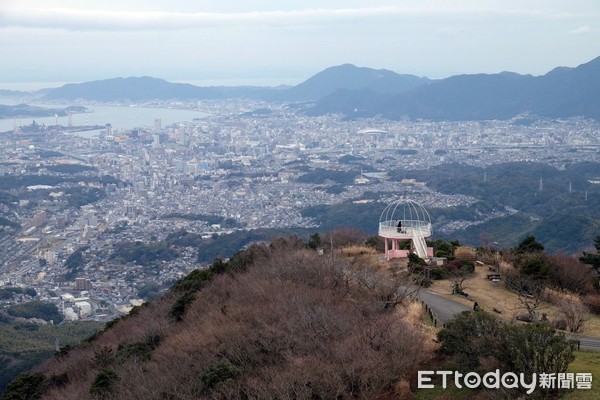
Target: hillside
511, 189
282, 321
24, 110
276, 321
350, 77
147, 88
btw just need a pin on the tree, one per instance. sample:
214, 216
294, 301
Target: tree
536, 265
568, 273
458, 277
576, 315
469, 337
180, 306
472, 337
444, 248
388, 289
314, 242
593, 259
530, 295
36, 309
529, 245
535, 348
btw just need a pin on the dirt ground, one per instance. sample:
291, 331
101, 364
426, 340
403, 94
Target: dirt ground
494, 295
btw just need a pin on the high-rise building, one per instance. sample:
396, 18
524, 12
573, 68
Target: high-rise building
83, 284
155, 141
39, 219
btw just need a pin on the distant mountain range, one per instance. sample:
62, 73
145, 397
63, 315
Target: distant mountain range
364, 92
147, 88
562, 92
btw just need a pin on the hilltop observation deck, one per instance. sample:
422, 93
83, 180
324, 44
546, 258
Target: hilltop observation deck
402, 221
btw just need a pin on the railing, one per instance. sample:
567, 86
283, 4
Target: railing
408, 228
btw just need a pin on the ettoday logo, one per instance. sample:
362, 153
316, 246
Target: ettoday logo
507, 380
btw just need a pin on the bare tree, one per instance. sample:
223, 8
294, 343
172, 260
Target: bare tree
457, 279
568, 273
389, 289
530, 295
576, 315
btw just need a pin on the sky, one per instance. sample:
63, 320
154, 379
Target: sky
268, 42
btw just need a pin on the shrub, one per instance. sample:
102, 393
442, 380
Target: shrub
467, 267
193, 281
27, 385
141, 350
423, 281
438, 273
104, 357
531, 348
59, 380
218, 373
465, 254
376, 243
104, 383
470, 337
535, 348
179, 308
592, 301
567, 273
560, 324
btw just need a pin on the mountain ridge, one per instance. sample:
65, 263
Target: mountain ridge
562, 92
365, 92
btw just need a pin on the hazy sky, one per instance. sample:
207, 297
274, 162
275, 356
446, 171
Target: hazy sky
272, 42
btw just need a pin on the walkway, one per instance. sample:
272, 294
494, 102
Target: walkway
445, 309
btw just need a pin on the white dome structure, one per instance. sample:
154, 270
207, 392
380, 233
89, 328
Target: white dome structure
405, 220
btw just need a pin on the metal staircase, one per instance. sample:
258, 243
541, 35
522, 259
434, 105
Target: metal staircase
419, 244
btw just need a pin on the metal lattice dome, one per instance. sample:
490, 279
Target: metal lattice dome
404, 219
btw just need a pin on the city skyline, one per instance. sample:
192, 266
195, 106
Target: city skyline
268, 43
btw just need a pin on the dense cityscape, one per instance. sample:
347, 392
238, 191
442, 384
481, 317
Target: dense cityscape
242, 165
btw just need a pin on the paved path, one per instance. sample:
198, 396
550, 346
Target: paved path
588, 343
445, 309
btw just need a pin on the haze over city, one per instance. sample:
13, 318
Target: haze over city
273, 42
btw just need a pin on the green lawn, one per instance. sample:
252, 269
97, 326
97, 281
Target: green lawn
586, 361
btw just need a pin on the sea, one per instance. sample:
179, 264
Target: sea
120, 117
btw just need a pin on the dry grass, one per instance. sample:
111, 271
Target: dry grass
490, 295
355, 250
